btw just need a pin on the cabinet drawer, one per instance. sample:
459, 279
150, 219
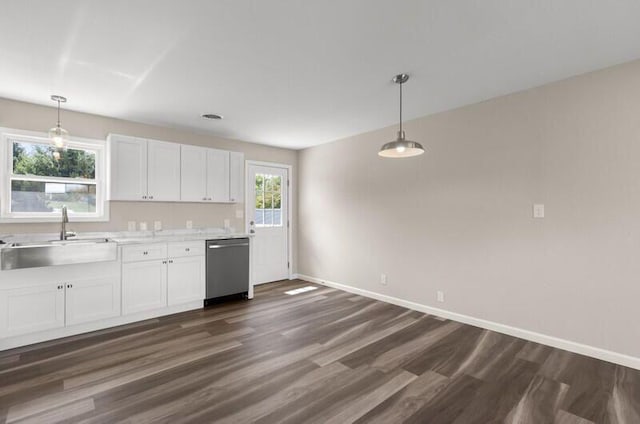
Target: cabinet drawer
187, 248
144, 252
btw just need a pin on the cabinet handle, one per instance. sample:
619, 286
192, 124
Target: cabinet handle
170, 261
204, 198
144, 197
164, 262
151, 197
187, 249
60, 287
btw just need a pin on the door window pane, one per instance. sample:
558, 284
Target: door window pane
268, 200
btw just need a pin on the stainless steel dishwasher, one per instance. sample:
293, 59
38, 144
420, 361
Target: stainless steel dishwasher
227, 269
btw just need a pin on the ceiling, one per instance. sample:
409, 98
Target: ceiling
297, 73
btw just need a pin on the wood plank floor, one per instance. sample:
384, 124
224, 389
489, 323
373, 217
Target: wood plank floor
323, 356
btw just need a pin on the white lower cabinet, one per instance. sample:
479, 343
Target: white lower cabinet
186, 279
53, 305
92, 299
144, 286
176, 277
31, 309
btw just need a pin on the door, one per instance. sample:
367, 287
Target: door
268, 218
128, 170
31, 309
144, 286
186, 279
163, 171
92, 299
217, 175
193, 183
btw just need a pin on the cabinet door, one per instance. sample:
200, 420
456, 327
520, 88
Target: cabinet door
236, 177
218, 175
128, 170
144, 286
193, 182
163, 171
92, 299
31, 309
186, 280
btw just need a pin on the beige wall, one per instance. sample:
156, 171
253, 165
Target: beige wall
32, 117
459, 219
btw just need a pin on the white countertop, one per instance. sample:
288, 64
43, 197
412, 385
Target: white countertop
135, 237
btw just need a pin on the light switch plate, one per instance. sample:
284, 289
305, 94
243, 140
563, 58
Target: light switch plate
239, 213
538, 210
143, 226
131, 225
227, 223
189, 225
157, 225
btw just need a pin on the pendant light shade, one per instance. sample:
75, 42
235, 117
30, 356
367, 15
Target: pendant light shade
401, 147
58, 135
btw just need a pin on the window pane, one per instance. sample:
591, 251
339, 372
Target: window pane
259, 182
277, 217
47, 161
36, 196
268, 217
277, 201
267, 183
259, 200
259, 218
268, 200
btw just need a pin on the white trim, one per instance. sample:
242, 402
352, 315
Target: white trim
290, 192
98, 146
575, 347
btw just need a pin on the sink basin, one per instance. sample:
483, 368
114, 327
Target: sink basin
57, 252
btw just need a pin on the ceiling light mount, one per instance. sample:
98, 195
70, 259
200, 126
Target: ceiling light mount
401, 147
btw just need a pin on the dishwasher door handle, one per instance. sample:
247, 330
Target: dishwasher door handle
220, 246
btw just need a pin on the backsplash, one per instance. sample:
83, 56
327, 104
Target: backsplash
172, 215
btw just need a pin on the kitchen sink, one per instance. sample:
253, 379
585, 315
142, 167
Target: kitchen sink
57, 252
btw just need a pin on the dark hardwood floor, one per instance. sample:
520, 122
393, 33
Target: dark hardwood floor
323, 356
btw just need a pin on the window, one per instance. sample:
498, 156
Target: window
268, 200
38, 179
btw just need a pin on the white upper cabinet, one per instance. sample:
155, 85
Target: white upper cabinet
193, 186
128, 168
163, 171
150, 170
236, 177
217, 175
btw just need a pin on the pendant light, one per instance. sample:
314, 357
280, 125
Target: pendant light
57, 134
401, 147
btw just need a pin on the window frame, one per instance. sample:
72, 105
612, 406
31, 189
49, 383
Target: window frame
8, 136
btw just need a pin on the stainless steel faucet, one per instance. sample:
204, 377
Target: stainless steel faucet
65, 220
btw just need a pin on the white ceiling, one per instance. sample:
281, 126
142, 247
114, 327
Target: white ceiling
297, 73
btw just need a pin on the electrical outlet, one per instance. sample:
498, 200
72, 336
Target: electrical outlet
440, 296
239, 213
538, 210
157, 225
227, 223
131, 226
383, 279
189, 224
143, 226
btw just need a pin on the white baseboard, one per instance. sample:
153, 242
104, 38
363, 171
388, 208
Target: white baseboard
594, 352
294, 277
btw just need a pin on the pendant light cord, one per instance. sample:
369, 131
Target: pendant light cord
59, 112
400, 108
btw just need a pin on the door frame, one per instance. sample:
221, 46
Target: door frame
289, 188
